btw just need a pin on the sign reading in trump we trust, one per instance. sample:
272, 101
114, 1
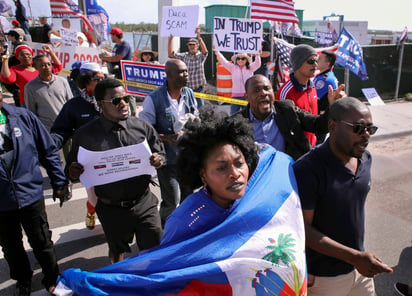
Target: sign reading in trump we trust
237, 35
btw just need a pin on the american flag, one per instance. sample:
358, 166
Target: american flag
61, 8
274, 10
283, 49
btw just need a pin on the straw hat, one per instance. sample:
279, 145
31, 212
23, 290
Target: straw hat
241, 55
146, 50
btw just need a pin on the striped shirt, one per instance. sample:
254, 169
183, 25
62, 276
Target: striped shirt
195, 67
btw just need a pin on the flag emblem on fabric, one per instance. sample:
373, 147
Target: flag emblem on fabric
259, 249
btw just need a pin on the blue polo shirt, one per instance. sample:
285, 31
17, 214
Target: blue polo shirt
338, 197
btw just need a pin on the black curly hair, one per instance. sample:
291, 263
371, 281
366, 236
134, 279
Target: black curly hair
200, 137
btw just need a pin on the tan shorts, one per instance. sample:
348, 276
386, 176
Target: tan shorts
350, 284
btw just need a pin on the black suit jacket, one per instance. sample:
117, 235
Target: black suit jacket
292, 122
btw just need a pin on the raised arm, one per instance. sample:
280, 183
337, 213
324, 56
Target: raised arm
55, 59
5, 70
203, 47
170, 52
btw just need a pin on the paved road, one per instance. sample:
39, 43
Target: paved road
388, 224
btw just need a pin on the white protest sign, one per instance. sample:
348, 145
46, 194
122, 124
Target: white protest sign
372, 96
69, 54
69, 37
67, 23
114, 165
179, 21
237, 35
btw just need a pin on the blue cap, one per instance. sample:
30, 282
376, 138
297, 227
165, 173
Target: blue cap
76, 65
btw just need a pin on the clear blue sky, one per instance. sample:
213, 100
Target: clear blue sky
392, 15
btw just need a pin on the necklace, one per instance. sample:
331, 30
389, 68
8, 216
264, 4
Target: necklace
2, 117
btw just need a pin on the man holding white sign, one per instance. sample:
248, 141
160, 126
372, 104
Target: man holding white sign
125, 207
195, 60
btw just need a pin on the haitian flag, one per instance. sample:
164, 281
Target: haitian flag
350, 55
258, 250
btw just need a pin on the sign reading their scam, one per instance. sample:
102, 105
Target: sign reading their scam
179, 21
103, 167
237, 35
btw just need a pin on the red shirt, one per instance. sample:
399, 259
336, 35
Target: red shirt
304, 99
21, 76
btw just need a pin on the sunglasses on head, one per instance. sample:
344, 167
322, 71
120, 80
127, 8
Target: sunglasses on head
312, 61
241, 58
116, 101
359, 128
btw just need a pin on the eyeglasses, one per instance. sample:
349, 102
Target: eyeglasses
116, 101
243, 59
359, 128
312, 61
97, 78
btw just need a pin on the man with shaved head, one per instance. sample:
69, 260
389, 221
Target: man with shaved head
165, 109
334, 180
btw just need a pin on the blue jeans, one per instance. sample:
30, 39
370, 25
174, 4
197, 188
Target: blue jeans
200, 102
169, 189
236, 108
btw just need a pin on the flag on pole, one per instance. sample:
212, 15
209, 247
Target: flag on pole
284, 66
274, 10
259, 249
350, 55
99, 18
404, 35
332, 31
61, 8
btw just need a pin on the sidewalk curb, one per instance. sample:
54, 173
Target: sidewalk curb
390, 136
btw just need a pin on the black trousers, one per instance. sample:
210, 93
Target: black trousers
33, 219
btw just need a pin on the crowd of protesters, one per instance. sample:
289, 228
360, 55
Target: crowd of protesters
96, 113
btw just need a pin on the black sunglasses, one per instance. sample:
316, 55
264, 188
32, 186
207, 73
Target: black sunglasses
96, 78
312, 61
116, 101
359, 128
241, 59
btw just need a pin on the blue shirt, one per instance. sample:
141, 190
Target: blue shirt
267, 131
322, 82
197, 214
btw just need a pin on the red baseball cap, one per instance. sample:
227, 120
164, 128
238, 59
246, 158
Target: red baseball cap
15, 22
116, 31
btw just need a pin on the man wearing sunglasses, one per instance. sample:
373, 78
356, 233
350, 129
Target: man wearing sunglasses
126, 208
334, 180
299, 88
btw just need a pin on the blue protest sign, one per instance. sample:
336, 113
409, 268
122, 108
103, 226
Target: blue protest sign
349, 55
153, 74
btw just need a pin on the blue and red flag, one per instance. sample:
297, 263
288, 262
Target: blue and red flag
350, 55
258, 250
99, 19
